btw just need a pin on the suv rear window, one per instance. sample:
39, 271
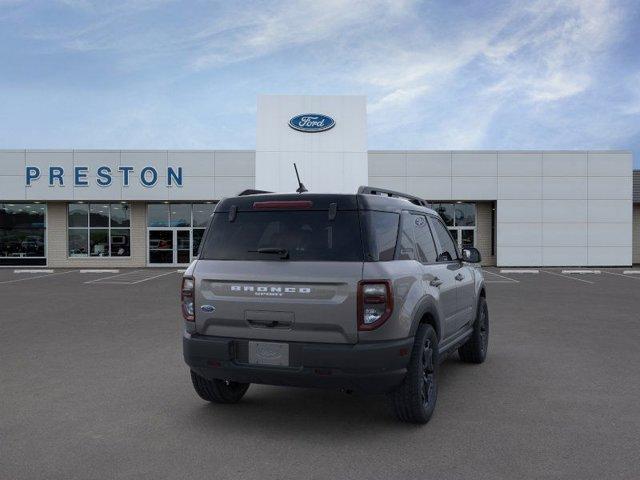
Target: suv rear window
304, 234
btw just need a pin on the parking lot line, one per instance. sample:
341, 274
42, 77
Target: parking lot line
567, 276
41, 270
151, 278
39, 276
102, 270
517, 270
512, 280
621, 275
112, 276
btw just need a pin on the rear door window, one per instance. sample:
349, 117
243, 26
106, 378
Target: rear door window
382, 234
426, 248
447, 251
305, 236
406, 244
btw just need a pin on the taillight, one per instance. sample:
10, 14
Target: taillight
375, 303
186, 298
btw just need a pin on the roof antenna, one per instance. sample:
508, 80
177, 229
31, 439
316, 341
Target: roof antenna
301, 188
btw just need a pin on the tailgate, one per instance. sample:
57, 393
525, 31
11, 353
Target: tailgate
272, 300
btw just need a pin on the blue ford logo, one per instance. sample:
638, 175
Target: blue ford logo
312, 122
207, 308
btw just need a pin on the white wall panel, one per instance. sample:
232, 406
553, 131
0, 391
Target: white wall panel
387, 164
519, 188
519, 234
194, 188
50, 158
194, 163
564, 187
610, 164
94, 159
563, 211
611, 187
93, 191
347, 136
474, 188
564, 256
40, 190
429, 164
235, 164
619, 211
468, 164
520, 164
519, 211
398, 184
610, 234
518, 256
12, 162
12, 187
231, 186
143, 158
430, 188
610, 256
137, 191
564, 164
564, 234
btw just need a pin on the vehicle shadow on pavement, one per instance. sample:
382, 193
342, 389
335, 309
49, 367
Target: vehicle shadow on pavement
301, 411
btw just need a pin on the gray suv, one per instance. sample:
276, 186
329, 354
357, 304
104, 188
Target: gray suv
362, 292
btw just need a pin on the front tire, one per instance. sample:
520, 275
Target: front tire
475, 349
415, 400
218, 391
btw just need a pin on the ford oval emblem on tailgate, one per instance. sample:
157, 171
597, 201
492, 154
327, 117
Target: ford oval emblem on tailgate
207, 308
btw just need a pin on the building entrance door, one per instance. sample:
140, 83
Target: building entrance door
171, 246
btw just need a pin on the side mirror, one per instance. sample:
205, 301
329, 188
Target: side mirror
471, 255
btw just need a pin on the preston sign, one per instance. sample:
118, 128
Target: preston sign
56, 176
312, 122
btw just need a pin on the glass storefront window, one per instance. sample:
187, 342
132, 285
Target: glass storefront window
465, 214
78, 215
99, 242
202, 213
180, 215
446, 212
91, 231
98, 215
120, 243
120, 216
78, 242
460, 219
22, 232
158, 215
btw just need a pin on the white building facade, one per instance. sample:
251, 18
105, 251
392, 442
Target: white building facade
74, 208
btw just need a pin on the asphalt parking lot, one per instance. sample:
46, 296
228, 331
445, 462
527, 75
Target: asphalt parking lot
92, 385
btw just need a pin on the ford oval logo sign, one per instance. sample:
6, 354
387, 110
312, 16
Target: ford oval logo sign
312, 122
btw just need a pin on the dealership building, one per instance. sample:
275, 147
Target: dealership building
133, 208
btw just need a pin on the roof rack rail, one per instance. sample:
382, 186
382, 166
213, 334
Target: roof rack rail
391, 193
251, 191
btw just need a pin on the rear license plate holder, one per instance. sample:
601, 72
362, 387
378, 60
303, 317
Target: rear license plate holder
269, 353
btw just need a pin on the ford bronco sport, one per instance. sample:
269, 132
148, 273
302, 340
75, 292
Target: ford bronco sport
363, 292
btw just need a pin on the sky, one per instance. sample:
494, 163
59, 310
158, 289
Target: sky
437, 74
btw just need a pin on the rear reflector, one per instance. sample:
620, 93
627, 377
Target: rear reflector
288, 204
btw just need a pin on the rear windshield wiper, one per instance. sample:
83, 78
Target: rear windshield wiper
283, 252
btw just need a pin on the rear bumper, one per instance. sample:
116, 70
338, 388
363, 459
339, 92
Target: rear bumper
374, 367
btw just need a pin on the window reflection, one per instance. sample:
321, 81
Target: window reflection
22, 230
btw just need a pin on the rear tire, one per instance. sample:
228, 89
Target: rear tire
218, 391
475, 350
415, 400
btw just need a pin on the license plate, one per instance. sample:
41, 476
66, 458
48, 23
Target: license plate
269, 353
